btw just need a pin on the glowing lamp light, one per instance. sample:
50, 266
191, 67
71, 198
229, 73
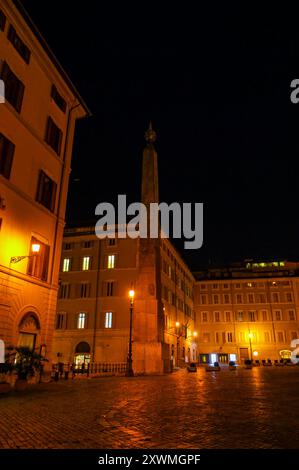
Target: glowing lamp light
255, 353
35, 247
131, 294
250, 335
177, 323
195, 334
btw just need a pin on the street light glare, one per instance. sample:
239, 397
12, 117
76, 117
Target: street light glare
177, 323
35, 247
250, 335
195, 333
131, 294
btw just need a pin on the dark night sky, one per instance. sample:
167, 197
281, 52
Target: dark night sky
216, 84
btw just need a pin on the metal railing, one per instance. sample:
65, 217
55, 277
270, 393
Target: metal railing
108, 368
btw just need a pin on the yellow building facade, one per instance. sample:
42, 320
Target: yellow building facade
247, 311
37, 123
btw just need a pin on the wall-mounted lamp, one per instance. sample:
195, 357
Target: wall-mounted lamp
35, 248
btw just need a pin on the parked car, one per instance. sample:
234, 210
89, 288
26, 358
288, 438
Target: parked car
232, 365
192, 367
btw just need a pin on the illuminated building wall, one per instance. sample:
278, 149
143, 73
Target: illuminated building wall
37, 124
248, 310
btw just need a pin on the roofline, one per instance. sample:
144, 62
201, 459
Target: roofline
50, 54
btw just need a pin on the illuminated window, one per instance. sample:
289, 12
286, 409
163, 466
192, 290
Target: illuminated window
81, 320
281, 263
14, 88
108, 320
233, 357
66, 264
249, 284
86, 263
111, 262
292, 315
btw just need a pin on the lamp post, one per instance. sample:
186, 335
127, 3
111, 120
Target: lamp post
250, 336
129, 372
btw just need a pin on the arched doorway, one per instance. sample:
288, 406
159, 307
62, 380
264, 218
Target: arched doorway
29, 331
82, 355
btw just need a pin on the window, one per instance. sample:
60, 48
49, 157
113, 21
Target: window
203, 299
111, 262
67, 246
18, 44
280, 336
108, 320
64, 291
206, 337
267, 337
7, 149
227, 316
277, 314
294, 335
251, 316
203, 286
111, 241
289, 297
229, 337
216, 316
239, 316
238, 286
225, 286
292, 315
249, 284
38, 263
14, 88
60, 321
87, 244
86, 263
46, 191
109, 288
216, 299
217, 337
53, 136
239, 299
81, 320
2, 21
61, 103
250, 298
265, 315
204, 316
242, 336
262, 298
66, 264
275, 297
226, 298
85, 290
214, 286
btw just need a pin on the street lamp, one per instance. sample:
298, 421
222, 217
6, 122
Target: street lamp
129, 372
35, 248
250, 336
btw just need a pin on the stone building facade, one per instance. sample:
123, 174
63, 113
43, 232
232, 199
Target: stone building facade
37, 124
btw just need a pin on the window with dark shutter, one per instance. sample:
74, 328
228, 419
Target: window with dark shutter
18, 44
53, 136
38, 264
7, 149
61, 103
46, 191
2, 21
14, 88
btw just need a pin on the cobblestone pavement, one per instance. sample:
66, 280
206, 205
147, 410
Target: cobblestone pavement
256, 408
